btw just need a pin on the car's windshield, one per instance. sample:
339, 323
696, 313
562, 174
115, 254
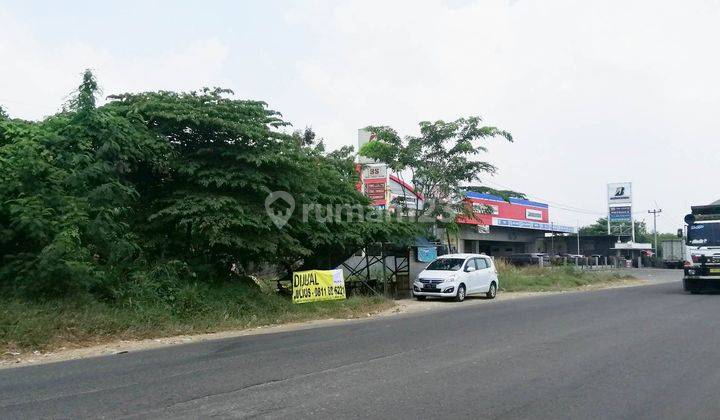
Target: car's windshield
446, 264
704, 234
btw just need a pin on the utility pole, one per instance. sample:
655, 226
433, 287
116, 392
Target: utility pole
578, 237
384, 274
655, 213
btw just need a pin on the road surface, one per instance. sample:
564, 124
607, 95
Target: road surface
640, 352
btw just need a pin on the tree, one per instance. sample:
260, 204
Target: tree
642, 233
67, 196
95, 198
228, 155
599, 228
441, 162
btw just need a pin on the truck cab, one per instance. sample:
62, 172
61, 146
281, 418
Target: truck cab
702, 251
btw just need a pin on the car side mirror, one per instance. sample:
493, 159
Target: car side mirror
680, 233
469, 269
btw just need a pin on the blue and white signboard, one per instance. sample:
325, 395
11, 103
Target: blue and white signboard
427, 253
620, 214
526, 224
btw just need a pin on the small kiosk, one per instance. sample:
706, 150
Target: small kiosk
631, 252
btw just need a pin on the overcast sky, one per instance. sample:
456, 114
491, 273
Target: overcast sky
593, 92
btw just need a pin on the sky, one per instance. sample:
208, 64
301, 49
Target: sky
593, 92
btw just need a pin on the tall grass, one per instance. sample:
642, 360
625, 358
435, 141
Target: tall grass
194, 308
537, 279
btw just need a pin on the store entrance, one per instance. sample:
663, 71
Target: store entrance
493, 248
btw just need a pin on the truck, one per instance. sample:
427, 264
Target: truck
702, 249
673, 253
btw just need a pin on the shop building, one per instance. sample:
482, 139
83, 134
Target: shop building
497, 227
500, 227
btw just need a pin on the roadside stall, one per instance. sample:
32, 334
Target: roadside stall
629, 254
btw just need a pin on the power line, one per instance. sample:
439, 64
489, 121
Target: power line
556, 204
561, 206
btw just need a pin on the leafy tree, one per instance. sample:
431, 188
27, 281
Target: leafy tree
642, 234
599, 228
100, 199
441, 162
228, 155
66, 198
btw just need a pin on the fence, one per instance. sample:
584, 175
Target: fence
595, 262
602, 262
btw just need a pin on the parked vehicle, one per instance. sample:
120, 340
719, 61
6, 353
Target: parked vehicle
532, 258
673, 252
702, 249
457, 276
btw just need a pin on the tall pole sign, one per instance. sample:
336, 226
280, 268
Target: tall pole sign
619, 197
374, 176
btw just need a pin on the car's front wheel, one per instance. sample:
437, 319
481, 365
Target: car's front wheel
420, 297
492, 291
460, 296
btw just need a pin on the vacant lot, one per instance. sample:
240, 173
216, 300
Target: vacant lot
542, 279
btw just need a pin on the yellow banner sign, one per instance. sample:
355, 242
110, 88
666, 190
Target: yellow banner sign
317, 285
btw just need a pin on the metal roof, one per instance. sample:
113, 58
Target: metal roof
511, 200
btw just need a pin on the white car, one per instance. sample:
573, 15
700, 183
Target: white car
457, 276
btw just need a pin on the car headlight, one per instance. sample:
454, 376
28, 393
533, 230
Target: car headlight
451, 278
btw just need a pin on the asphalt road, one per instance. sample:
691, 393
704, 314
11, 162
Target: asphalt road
640, 352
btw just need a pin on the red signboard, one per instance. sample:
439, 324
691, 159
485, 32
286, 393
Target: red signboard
375, 190
515, 209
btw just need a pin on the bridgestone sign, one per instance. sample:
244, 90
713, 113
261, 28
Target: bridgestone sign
619, 197
620, 193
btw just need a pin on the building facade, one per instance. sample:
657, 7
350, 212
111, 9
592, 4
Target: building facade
500, 227
494, 226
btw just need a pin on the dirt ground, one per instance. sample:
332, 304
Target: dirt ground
402, 307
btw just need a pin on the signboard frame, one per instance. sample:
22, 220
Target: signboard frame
620, 196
